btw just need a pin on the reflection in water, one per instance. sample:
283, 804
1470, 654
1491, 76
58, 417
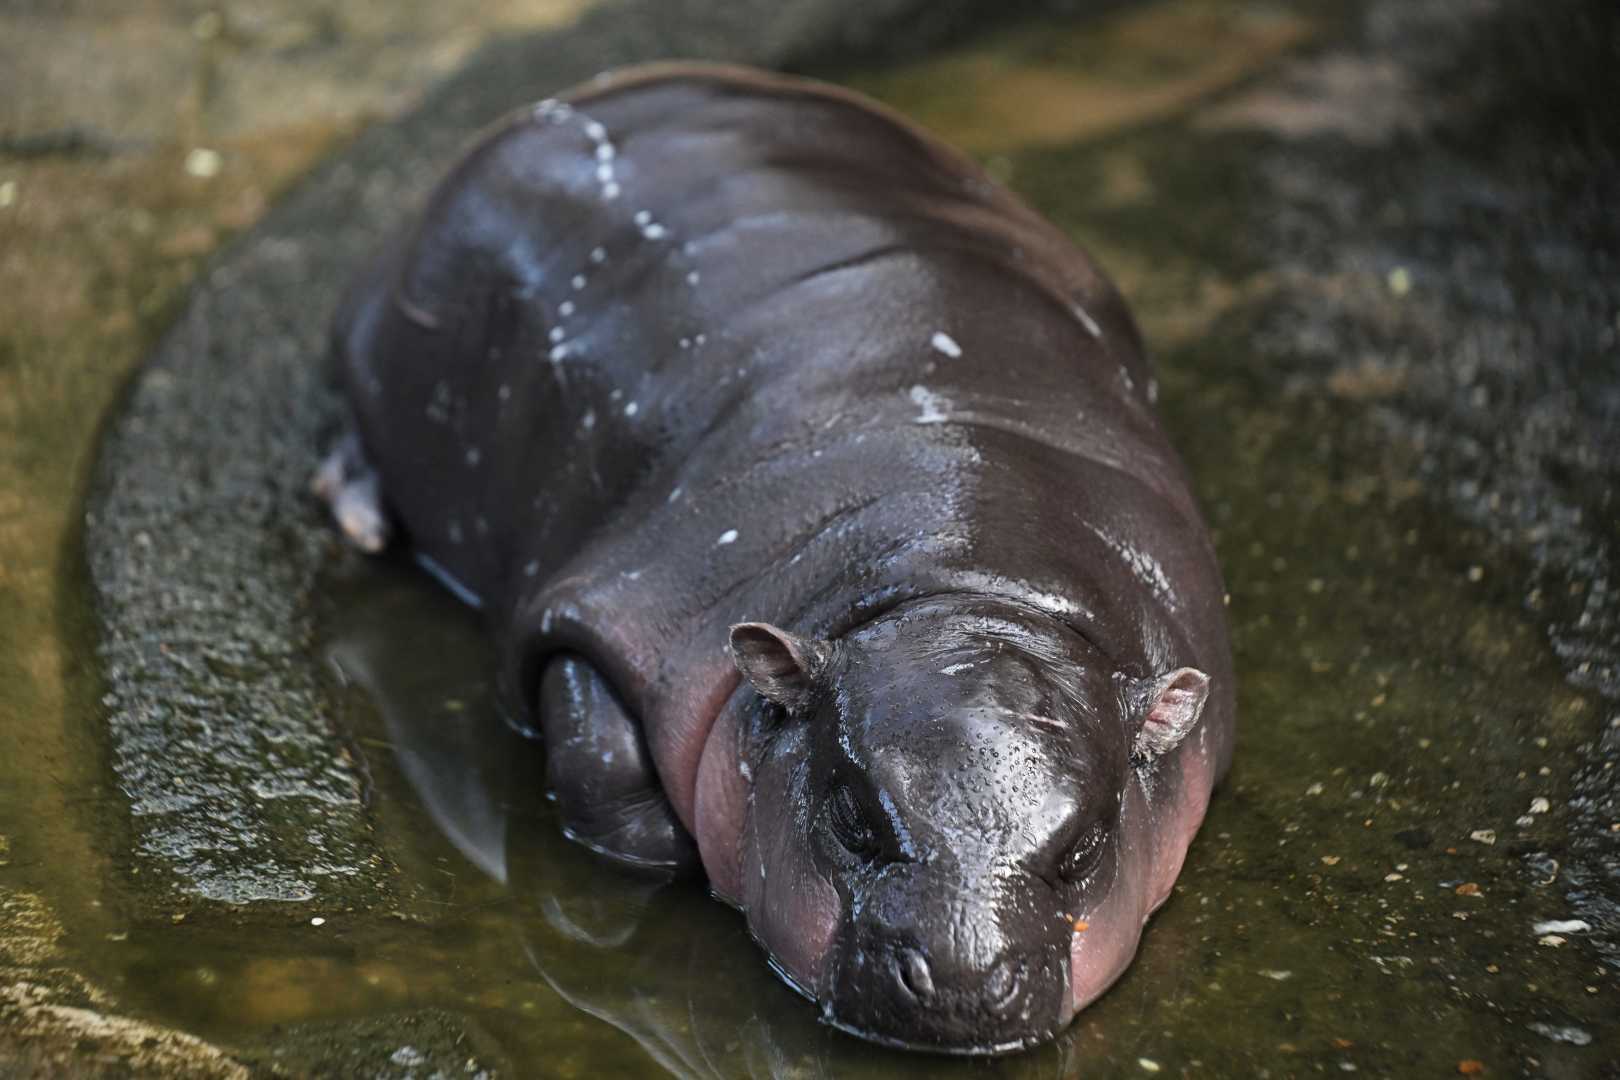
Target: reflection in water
660, 961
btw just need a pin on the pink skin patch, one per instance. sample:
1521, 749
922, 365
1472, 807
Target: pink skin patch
720, 804
1101, 952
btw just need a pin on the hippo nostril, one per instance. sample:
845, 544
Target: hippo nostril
1003, 985
912, 967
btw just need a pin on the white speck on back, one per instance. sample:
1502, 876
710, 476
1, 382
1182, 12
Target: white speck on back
643, 217
654, 231
595, 132
558, 352
474, 456
631, 409
605, 152
1153, 391
727, 537
693, 277
588, 421
599, 255
504, 393
633, 575
686, 343
566, 308
557, 334
932, 406
1087, 321
610, 191
676, 494
943, 342
578, 282
531, 568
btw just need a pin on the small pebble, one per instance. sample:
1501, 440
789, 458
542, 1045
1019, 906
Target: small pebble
8, 193
204, 163
317, 921
1399, 281
1483, 836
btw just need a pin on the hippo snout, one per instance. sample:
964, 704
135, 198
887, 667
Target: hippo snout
959, 981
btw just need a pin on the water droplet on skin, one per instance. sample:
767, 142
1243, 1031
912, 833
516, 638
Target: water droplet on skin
1087, 321
727, 537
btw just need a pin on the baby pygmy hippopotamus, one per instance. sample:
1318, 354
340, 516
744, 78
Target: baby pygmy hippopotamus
811, 486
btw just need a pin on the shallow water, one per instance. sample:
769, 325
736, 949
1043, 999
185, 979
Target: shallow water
1365, 891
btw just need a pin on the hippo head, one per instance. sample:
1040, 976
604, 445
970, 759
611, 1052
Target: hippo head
944, 845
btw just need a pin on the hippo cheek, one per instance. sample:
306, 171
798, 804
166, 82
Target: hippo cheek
1103, 944
1108, 923
793, 910
924, 965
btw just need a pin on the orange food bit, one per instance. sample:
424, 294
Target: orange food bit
1471, 1067
1081, 926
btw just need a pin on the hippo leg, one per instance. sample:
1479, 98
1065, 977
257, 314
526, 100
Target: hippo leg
349, 486
599, 771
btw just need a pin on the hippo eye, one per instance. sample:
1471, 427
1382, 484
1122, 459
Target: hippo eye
1083, 857
849, 824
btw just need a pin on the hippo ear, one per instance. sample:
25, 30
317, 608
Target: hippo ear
781, 666
1174, 703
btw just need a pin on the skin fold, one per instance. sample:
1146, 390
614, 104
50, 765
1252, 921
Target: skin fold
812, 489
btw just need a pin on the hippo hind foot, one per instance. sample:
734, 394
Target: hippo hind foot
349, 486
601, 775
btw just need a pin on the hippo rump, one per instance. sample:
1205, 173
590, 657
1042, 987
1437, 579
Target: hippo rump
811, 487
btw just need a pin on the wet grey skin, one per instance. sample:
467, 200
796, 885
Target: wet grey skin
811, 488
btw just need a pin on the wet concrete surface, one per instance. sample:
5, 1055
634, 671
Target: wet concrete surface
1372, 246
